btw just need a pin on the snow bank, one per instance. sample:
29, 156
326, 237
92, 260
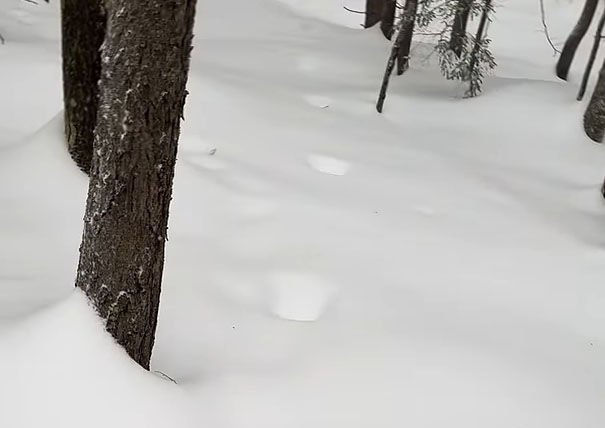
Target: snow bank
64, 370
42, 205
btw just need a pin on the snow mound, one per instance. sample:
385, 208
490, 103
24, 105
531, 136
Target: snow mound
62, 360
42, 204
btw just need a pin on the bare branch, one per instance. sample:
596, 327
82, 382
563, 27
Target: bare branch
354, 11
546, 33
165, 376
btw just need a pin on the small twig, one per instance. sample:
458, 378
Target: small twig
546, 33
165, 376
31, 1
354, 11
1, 39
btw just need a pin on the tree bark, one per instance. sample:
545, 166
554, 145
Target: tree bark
142, 93
474, 89
374, 10
592, 57
458, 34
407, 28
594, 117
83, 30
574, 38
387, 74
388, 18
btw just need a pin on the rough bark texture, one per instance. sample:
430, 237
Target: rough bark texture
458, 35
574, 38
388, 18
592, 57
387, 74
374, 10
145, 61
407, 28
474, 89
83, 30
594, 118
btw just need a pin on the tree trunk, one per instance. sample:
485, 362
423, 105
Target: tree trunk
407, 28
474, 89
388, 18
574, 38
592, 57
387, 74
594, 118
83, 30
374, 10
142, 93
458, 35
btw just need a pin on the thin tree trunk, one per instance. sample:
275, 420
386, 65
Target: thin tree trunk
592, 57
594, 117
83, 30
387, 75
574, 38
374, 9
391, 65
409, 21
142, 93
388, 18
474, 89
458, 34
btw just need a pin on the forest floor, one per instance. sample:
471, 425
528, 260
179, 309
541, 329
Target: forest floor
439, 265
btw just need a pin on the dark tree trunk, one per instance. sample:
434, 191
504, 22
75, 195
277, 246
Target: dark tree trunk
458, 35
594, 118
574, 38
388, 18
83, 30
387, 74
407, 28
374, 10
474, 89
592, 57
142, 93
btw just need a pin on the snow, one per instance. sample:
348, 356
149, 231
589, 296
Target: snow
437, 265
328, 165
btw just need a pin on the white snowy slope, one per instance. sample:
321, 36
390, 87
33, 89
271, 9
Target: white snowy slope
440, 265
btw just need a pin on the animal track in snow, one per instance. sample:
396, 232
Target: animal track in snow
299, 296
328, 165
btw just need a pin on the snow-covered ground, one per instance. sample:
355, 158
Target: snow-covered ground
440, 265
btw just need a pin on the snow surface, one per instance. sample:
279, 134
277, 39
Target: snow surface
446, 258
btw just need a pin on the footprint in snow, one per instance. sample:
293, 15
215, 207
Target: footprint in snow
299, 296
328, 165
